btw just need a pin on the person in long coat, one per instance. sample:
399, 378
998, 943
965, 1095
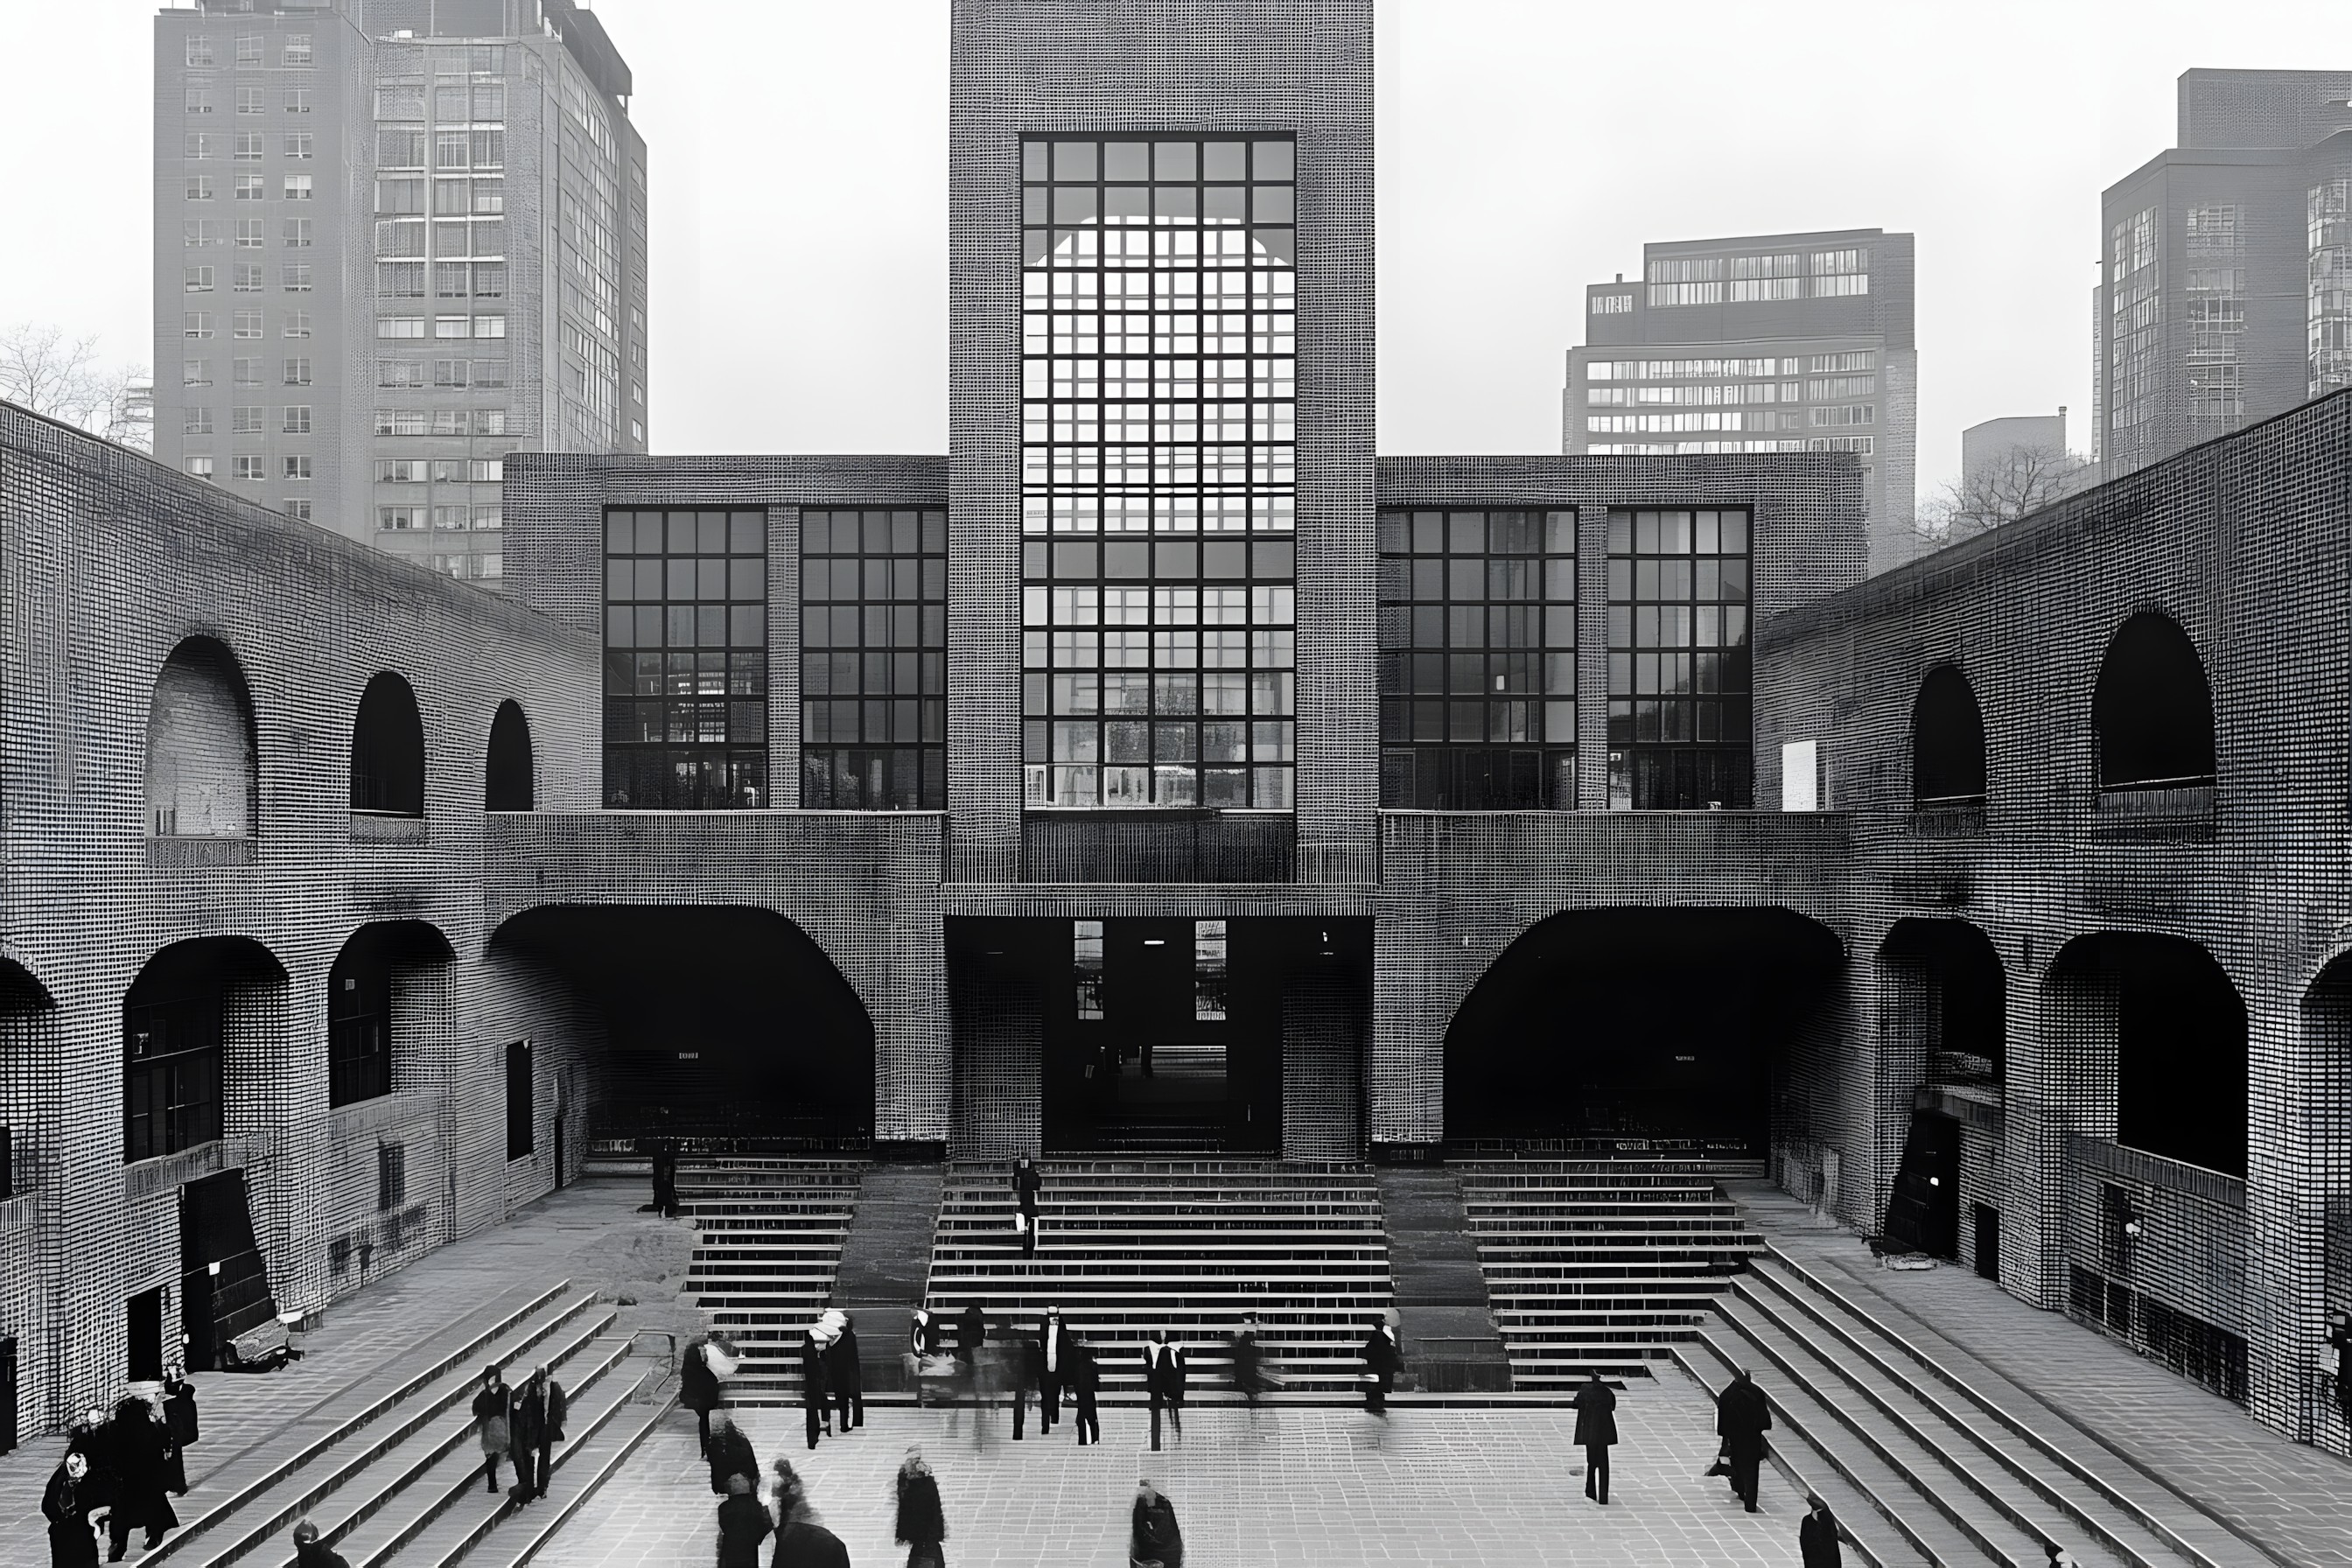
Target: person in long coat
1153, 1535
1026, 1182
494, 1410
1053, 1367
1025, 1369
1384, 1358
800, 1540
136, 1445
731, 1454
67, 1504
922, 1523
1086, 1380
1817, 1537
1248, 1360
846, 1378
527, 1426
698, 1390
180, 1421
556, 1406
1596, 1431
743, 1524
1741, 1419
1164, 1366
813, 1387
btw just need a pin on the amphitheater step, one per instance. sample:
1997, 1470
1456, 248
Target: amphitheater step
771, 1237
1448, 1324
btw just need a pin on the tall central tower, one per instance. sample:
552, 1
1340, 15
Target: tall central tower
1161, 395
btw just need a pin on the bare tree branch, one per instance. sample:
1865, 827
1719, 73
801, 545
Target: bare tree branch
43, 370
2001, 490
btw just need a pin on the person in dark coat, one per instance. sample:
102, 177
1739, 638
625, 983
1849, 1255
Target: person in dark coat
136, 1446
1164, 1365
731, 1453
743, 1524
1384, 1358
309, 1551
1596, 1431
527, 1426
1053, 1344
493, 1411
180, 1421
1817, 1537
556, 1406
1741, 1419
972, 1332
67, 1504
922, 1522
1025, 1372
1086, 1381
846, 1378
1248, 1360
813, 1387
800, 1540
1027, 1181
698, 1390
1153, 1536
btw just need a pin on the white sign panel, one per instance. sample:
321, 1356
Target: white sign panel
1799, 785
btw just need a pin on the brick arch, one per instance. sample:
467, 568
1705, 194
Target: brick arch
371, 994
202, 770
2146, 1034
2152, 718
199, 1033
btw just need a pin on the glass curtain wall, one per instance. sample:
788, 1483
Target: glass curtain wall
873, 634
686, 661
1159, 412
1679, 679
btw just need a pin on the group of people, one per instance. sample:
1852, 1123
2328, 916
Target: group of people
832, 1384
521, 1423
121, 1472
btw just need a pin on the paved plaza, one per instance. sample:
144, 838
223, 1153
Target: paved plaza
1303, 1486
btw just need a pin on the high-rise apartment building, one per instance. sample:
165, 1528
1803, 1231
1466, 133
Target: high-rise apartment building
1779, 343
2226, 292
395, 241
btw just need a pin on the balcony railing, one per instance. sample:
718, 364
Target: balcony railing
1159, 847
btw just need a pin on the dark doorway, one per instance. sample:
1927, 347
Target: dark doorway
559, 1150
1924, 1211
507, 774
8, 1395
144, 1330
1647, 1026
223, 1286
1988, 1224
519, 1140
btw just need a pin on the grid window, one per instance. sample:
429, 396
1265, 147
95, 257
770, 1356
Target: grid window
1679, 678
171, 1074
686, 659
359, 1030
1159, 455
1478, 660
874, 624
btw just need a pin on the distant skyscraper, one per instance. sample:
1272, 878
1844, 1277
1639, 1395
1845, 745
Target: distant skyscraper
393, 243
2227, 292
1779, 343
1996, 438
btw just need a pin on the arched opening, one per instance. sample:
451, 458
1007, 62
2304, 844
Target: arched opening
370, 998
2153, 712
1658, 1024
1948, 742
203, 773
388, 751
1944, 1011
508, 782
175, 1023
2178, 1029
726, 1027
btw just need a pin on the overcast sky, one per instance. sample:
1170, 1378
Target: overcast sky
798, 161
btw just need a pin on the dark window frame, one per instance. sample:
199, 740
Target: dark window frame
522, 1120
359, 1026
173, 1091
874, 652
1681, 737
685, 658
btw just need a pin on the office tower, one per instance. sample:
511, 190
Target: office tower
2226, 292
1779, 343
394, 242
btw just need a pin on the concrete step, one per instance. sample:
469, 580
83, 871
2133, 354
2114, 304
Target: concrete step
578, 1476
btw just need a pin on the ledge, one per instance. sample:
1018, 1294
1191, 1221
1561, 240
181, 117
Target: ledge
2177, 811
174, 852
145, 1178
2107, 1158
1962, 816
382, 827
381, 1113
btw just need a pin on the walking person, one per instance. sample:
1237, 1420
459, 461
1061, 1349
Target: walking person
180, 1420
71, 1497
1817, 1537
529, 1424
136, 1444
1164, 1365
743, 1524
1384, 1358
922, 1522
1248, 1359
698, 1390
1027, 1181
1153, 1538
553, 1407
1026, 1369
802, 1542
844, 1377
813, 1388
1086, 1382
494, 1414
1053, 1368
731, 1454
1741, 1419
1596, 1431
922, 1349
971, 1333
309, 1551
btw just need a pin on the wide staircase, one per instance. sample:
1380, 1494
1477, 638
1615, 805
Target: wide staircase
770, 1243
1926, 1455
1601, 1265
1129, 1246
389, 1467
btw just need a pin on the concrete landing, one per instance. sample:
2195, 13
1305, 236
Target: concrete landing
1450, 1340
886, 1256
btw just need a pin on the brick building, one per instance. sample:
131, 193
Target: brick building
1400, 805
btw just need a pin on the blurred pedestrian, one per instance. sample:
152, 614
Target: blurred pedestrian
1026, 1370
1248, 1360
136, 1446
800, 1540
697, 1389
922, 1523
67, 1504
1384, 1358
813, 1388
1817, 1537
309, 1551
1164, 1367
1742, 1416
844, 1377
731, 1453
1154, 1540
743, 1524
1027, 1181
494, 1419
1596, 1431
1086, 1381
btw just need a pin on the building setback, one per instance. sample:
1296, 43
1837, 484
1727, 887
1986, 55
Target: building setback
2225, 294
1779, 343
393, 244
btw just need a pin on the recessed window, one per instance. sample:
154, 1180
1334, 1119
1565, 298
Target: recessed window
874, 660
200, 52
298, 419
1679, 680
685, 639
